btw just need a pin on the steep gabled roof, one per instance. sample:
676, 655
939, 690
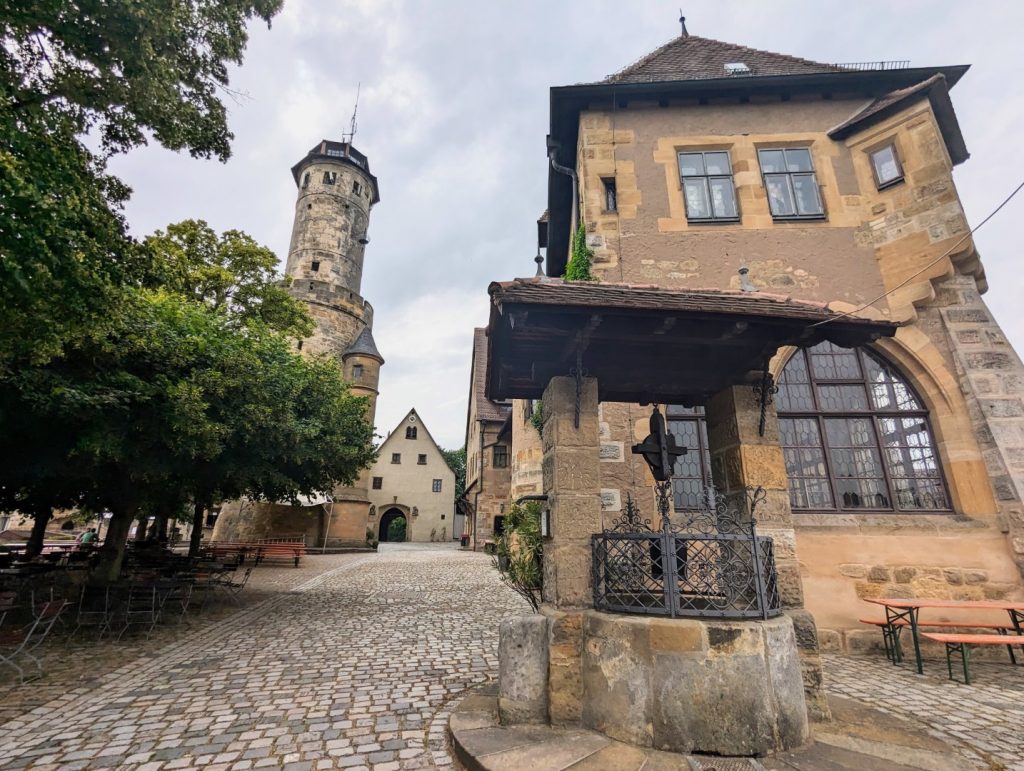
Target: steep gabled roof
485, 408
691, 57
397, 434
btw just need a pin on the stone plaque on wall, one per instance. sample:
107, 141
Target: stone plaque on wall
611, 500
612, 451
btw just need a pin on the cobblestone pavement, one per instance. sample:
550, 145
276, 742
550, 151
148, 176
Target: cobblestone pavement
356, 668
983, 720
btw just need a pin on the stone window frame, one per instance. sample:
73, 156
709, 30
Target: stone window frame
410, 432
707, 179
357, 371
396, 458
918, 411
822, 213
305, 180
377, 483
435, 485
499, 458
421, 459
610, 195
889, 144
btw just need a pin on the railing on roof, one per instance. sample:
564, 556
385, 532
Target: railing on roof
894, 64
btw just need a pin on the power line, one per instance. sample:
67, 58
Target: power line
937, 260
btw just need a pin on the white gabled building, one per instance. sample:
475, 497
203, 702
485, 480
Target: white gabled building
412, 480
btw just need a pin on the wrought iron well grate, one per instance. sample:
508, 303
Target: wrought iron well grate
710, 564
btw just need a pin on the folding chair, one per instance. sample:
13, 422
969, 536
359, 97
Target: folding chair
142, 608
24, 641
8, 602
233, 588
95, 608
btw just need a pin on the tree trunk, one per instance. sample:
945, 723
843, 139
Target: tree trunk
160, 527
197, 529
34, 547
140, 529
108, 569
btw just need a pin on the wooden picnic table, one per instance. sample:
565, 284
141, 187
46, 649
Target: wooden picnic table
901, 609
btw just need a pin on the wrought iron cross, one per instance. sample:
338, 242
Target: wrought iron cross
659, 449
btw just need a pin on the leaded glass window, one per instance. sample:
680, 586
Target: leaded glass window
692, 473
855, 436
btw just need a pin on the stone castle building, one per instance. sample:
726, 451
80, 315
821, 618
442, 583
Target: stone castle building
412, 481
901, 462
336, 192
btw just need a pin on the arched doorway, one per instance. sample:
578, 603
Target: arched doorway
393, 526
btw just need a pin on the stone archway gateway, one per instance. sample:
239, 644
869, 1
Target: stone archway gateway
390, 516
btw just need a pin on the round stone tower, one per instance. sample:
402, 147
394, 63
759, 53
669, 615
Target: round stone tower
325, 264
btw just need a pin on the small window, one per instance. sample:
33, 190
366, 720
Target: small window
356, 187
312, 286
410, 432
396, 457
436, 486
791, 183
315, 266
357, 371
305, 180
299, 345
378, 482
499, 525
886, 166
421, 460
500, 456
442, 516
611, 199
708, 188
330, 177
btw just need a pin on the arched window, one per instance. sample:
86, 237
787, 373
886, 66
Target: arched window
855, 435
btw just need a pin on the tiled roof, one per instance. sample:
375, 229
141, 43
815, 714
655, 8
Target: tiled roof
893, 97
485, 408
547, 291
698, 58
364, 346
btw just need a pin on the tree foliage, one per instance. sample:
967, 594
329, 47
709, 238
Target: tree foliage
123, 68
456, 460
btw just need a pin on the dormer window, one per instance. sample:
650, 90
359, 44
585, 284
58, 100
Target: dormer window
330, 177
736, 68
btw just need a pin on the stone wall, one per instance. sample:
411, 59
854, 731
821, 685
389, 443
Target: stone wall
527, 453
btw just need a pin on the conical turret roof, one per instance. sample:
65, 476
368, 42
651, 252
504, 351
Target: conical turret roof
364, 346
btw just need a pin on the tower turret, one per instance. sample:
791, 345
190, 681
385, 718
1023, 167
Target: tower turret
325, 260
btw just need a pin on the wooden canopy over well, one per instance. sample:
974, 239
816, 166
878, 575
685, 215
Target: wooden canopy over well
646, 343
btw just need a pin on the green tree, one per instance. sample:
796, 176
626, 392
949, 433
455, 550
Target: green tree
119, 71
396, 530
456, 460
231, 273
178, 396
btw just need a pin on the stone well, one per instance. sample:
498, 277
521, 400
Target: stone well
683, 685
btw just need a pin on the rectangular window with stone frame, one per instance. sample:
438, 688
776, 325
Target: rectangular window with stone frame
885, 165
791, 183
708, 188
436, 486
378, 483
500, 456
396, 457
421, 460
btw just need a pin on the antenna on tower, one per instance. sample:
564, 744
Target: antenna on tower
352, 127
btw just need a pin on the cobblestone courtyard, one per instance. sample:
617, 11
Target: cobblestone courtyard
354, 661
353, 669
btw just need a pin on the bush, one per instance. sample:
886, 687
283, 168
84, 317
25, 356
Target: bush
520, 552
396, 530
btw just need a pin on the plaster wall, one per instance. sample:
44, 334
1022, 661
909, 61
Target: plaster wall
408, 485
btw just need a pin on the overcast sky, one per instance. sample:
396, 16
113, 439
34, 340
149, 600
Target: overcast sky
453, 116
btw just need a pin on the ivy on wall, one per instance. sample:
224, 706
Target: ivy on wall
581, 259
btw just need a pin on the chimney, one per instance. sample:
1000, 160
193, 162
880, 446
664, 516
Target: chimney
682, 23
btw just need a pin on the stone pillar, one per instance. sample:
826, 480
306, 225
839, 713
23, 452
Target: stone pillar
572, 483
742, 459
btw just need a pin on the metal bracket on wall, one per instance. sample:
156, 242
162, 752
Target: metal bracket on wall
764, 390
